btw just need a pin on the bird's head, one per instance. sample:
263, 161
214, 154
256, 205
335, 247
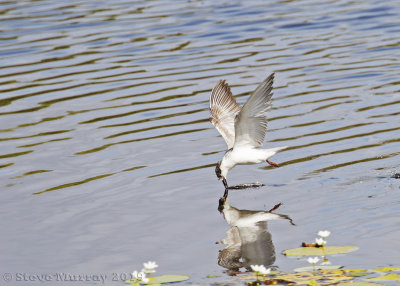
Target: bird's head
218, 170
221, 204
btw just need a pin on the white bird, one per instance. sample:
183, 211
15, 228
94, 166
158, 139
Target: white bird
244, 128
249, 240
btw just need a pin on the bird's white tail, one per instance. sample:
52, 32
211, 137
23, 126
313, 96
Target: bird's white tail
277, 149
272, 151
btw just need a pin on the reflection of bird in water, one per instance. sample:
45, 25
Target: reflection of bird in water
248, 241
244, 128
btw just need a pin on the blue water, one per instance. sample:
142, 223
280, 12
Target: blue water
107, 155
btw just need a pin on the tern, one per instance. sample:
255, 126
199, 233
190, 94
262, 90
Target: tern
249, 241
243, 128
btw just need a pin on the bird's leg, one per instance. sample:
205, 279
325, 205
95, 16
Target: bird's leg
275, 207
272, 163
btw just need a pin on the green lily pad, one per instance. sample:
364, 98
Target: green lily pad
358, 283
387, 269
133, 283
305, 278
357, 274
158, 280
391, 276
312, 283
354, 270
347, 272
321, 267
166, 279
319, 251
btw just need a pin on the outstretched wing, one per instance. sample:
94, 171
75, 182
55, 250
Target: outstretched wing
251, 123
223, 110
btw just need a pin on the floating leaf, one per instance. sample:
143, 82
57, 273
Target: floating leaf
321, 251
387, 269
322, 267
312, 283
358, 283
357, 274
322, 277
252, 275
347, 272
391, 276
158, 280
305, 278
135, 283
166, 279
354, 270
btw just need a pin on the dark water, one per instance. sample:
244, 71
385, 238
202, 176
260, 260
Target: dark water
107, 154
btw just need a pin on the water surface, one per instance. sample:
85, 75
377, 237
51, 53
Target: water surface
107, 154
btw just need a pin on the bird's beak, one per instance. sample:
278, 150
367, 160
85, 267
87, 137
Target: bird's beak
226, 194
225, 183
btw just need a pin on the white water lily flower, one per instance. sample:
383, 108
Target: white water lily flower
149, 267
313, 260
144, 278
260, 269
320, 241
135, 275
265, 271
256, 268
324, 233
139, 276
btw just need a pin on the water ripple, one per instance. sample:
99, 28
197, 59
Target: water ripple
65, 65
104, 118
